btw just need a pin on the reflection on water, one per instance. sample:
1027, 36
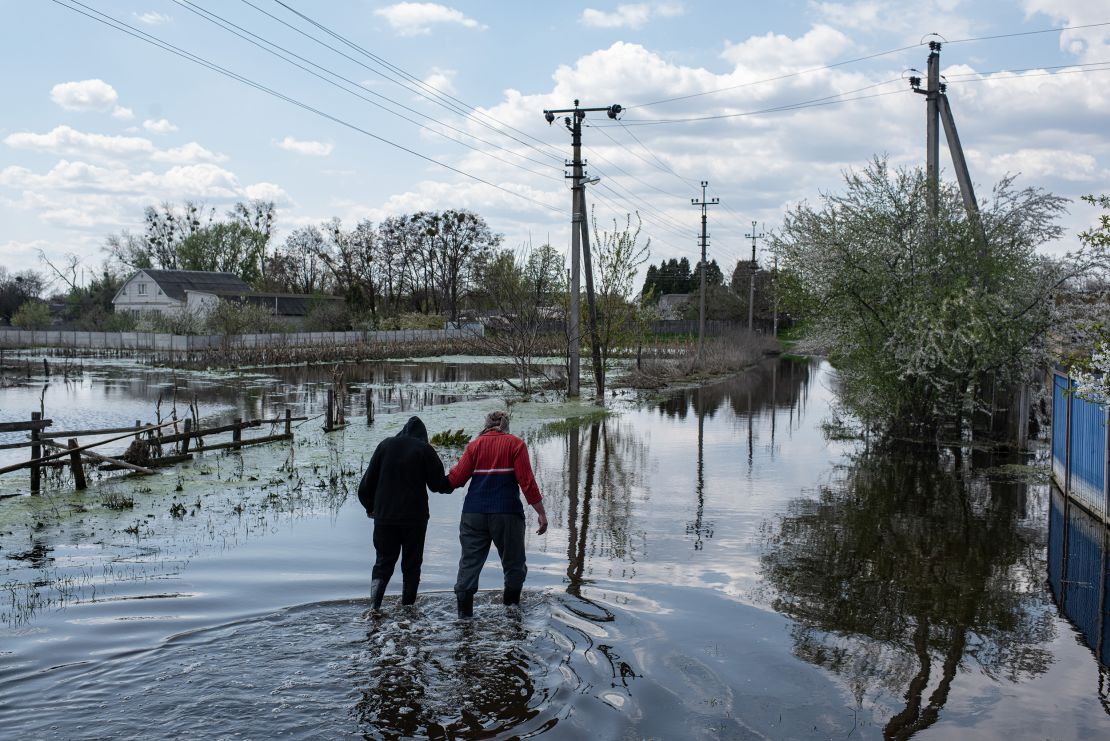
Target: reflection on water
903, 571
715, 568
107, 396
1078, 556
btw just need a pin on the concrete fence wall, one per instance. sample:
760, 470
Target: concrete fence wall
158, 342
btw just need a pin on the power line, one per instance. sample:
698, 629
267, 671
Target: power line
624, 172
1065, 69
864, 58
438, 96
663, 165
123, 27
812, 103
777, 77
1028, 33
230, 27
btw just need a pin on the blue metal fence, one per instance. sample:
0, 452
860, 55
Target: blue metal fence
1079, 447
1056, 544
1078, 553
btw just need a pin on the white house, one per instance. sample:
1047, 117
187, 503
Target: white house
166, 291
198, 292
672, 304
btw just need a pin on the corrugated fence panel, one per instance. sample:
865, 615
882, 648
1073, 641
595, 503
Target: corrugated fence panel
1082, 592
1088, 454
1059, 428
1055, 542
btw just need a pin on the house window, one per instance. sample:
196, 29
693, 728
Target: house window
142, 289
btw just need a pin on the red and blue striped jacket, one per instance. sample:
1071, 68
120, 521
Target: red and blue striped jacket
497, 466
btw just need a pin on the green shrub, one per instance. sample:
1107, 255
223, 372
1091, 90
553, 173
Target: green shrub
229, 317
448, 439
330, 316
32, 315
412, 320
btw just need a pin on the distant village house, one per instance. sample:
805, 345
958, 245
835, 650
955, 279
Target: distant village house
198, 292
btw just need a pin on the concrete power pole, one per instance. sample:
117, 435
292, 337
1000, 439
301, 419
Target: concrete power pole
704, 203
939, 112
755, 268
573, 123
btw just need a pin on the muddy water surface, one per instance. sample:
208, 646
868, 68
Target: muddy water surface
716, 568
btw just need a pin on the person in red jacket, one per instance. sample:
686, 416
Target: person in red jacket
497, 466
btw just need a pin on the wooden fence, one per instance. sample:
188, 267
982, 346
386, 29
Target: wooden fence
190, 440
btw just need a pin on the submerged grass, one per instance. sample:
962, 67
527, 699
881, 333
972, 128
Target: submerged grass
722, 355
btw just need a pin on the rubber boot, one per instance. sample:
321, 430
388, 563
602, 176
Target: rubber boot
377, 593
408, 592
511, 596
466, 604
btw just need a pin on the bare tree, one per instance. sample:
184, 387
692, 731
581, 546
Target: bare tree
517, 330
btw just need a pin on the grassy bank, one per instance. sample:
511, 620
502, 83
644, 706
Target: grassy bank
681, 363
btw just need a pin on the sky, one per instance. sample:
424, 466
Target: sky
432, 106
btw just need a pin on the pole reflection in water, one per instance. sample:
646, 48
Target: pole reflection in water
699, 528
902, 571
1078, 557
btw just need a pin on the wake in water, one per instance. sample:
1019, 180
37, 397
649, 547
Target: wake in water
334, 669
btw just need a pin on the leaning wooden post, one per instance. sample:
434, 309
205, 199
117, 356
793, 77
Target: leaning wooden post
45, 368
36, 452
369, 407
288, 422
185, 440
237, 433
75, 465
331, 410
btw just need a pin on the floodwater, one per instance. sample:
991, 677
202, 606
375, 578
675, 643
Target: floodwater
716, 568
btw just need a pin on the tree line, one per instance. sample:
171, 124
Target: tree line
424, 262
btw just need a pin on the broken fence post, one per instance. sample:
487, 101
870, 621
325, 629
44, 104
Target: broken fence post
36, 452
75, 465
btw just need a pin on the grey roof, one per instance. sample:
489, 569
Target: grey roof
672, 300
279, 304
286, 304
174, 283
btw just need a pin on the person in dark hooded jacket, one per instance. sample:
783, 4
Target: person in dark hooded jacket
394, 492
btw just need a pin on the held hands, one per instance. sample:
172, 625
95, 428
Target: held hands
370, 514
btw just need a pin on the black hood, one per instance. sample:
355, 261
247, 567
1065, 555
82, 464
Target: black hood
414, 428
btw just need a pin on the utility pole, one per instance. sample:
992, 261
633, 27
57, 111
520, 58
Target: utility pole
939, 112
573, 123
704, 203
755, 267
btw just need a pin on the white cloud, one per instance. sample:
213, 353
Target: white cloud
161, 126
441, 79
187, 153
86, 95
268, 192
1088, 44
64, 140
152, 18
1040, 163
634, 15
904, 20
122, 113
773, 54
413, 19
308, 147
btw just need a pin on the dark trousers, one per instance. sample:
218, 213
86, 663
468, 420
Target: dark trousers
476, 532
404, 539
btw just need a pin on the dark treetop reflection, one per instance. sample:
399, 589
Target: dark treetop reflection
904, 570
